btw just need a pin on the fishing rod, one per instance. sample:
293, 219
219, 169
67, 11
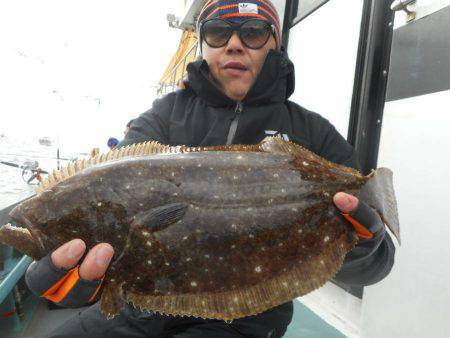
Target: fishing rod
46, 157
24, 167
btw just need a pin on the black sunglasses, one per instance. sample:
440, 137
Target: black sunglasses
254, 33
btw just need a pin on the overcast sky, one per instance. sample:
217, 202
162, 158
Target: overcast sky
79, 70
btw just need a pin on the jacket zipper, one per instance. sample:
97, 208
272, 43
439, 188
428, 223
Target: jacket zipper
234, 123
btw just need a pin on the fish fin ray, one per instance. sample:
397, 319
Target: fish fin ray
138, 149
255, 299
160, 217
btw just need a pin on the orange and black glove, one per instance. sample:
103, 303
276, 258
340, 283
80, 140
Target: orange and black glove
63, 287
373, 256
366, 221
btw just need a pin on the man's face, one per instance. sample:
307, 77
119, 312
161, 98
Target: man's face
234, 67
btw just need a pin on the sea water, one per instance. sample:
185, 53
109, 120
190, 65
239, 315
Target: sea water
13, 187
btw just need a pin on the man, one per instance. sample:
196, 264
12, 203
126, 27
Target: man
237, 94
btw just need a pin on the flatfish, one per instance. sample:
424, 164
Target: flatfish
215, 232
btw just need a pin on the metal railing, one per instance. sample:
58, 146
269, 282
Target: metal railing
171, 82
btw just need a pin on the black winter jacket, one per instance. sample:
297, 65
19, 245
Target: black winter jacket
201, 115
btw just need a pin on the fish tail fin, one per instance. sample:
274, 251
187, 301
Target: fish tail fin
378, 192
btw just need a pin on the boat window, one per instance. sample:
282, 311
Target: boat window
323, 47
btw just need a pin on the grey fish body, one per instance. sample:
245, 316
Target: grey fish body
216, 234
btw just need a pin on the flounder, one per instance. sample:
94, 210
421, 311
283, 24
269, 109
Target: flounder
215, 232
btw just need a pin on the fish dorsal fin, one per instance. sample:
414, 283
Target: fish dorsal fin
138, 149
279, 146
269, 144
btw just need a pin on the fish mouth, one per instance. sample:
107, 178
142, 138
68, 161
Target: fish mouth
35, 232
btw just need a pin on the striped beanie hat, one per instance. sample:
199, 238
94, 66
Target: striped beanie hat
240, 10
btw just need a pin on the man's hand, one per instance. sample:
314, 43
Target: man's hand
94, 264
364, 219
58, 277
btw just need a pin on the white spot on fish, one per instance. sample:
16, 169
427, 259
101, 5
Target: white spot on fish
276, 175
74, 231
119, 236
281, 244
235, 177
300, 231
145, 233
149, 262
188, 259
206, 270
127, 187
270, 201
138, 278
216, 197
220, 258
172, 174
263, 248
199, 165
149, 243
285, 284
258, 269
233, 246
322, 262
185, 238
112, 280
326, 239
139, 173
207, 256
99, 204
167, 263
234, 226
141, 204
175, 194
194, 284
283, 190
296, 283
235, 299
326, 194
294, 209
251, 236
249, 209
305, 163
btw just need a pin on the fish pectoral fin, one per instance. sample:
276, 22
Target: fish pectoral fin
161, 217
112, 301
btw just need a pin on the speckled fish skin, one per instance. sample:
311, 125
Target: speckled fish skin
245, 222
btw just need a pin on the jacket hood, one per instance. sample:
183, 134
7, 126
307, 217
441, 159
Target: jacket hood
274, 83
